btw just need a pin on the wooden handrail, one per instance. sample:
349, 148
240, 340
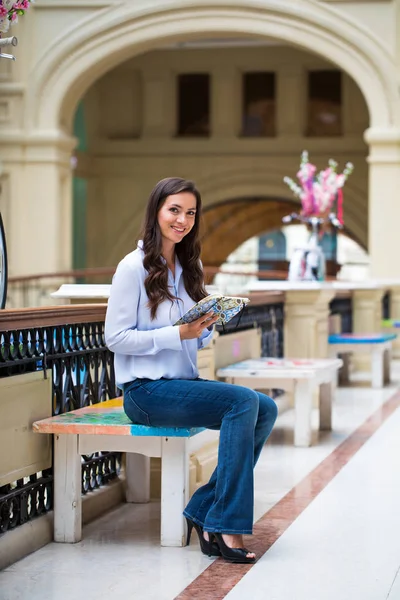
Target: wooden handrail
24, 318
46, 316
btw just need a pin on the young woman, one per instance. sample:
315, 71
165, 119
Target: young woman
156, 365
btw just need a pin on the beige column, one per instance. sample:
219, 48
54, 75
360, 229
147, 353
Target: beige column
367, 318
384, 205
159, 91
39, 227
394, 291
225, 114
306, 323
291, 83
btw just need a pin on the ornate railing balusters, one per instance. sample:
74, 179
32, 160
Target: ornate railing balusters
344, 308
269, 317
83, 374
70, 342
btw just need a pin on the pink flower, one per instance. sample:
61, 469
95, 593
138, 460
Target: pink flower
3, 11
22, 5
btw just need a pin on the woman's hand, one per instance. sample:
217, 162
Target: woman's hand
193, 330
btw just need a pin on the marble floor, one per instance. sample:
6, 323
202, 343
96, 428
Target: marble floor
327, 526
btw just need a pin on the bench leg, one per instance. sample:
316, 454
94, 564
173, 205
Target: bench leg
377, 366
326, 391
174, 490
344, 372
387, 358
137, 478
67, 489
303, 396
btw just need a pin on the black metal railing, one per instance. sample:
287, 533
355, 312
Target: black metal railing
386, 306
269, 317
344, 308
83, 374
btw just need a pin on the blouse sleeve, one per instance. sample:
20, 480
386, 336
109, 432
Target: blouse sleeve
205, 338
121, 333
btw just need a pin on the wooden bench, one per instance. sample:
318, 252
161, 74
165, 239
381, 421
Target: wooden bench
301, 377
105, 427
379, 345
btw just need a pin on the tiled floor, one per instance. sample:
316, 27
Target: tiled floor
344, 545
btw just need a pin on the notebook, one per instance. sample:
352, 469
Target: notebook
225, 306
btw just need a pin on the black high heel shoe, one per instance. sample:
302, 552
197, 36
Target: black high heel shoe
207, 548
233, 555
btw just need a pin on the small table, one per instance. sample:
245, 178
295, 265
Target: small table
300, 376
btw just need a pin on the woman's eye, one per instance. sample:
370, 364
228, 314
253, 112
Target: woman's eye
173, 209
191, 213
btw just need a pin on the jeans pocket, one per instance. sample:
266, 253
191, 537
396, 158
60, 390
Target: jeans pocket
135, 413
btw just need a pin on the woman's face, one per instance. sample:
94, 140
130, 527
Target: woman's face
176, 217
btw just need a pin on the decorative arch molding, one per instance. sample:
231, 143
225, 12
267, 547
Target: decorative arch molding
74, 61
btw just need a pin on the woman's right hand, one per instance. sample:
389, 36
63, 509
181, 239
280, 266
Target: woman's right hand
193, 330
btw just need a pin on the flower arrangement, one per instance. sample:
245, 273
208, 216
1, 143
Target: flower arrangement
319, 192
10, 11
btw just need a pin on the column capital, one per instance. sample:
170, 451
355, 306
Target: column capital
384, 145
306, 323
43, 146
382, 135
309, 300
371, 295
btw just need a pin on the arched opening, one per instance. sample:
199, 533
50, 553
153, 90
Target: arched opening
138, 130
82, 55
255, 259
229, 224
135, 141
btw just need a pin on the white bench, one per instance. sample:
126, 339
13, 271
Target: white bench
379, 345
105, 426
301, 377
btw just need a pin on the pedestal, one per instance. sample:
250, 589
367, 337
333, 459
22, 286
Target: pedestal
307, 323
395, 314
367, 318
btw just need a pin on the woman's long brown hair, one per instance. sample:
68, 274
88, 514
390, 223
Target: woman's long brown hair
188, 250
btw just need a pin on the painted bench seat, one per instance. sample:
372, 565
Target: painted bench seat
379, 345
361, 338
105, 427
393, 326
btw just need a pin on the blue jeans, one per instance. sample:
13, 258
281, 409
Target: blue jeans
245, 419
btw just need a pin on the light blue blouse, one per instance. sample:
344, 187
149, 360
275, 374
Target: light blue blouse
144, 348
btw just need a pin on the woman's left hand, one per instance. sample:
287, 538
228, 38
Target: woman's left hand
193, 330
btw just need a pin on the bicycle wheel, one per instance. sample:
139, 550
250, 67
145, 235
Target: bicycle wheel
3, 266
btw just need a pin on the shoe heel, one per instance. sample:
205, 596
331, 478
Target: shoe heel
189, 530
211, 538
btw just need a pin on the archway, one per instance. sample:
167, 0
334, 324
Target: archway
78, 57
230, 223
82, 56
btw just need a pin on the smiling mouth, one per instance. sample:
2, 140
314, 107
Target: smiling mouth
178, 230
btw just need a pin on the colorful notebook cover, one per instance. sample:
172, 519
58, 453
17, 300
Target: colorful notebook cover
225, 306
